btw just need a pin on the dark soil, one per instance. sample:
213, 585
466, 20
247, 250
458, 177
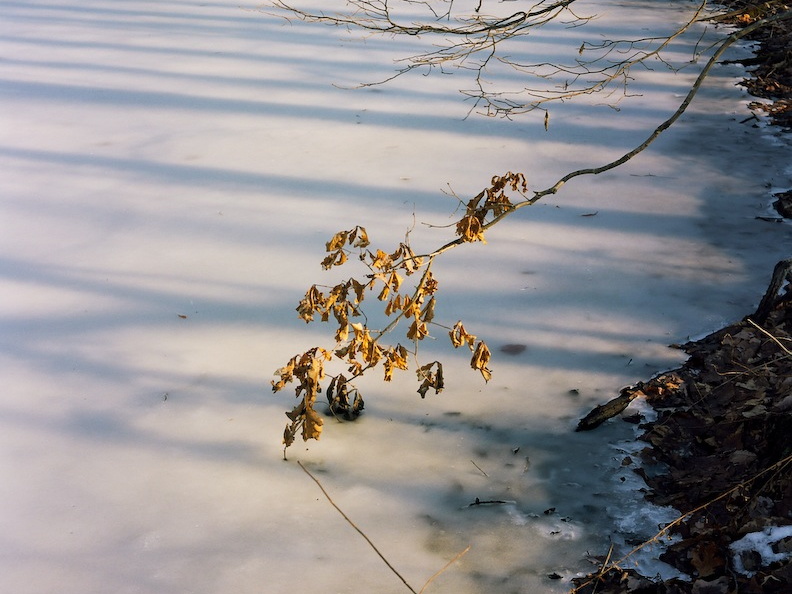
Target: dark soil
771, 68
722, 441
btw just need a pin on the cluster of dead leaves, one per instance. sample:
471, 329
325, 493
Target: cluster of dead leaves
307, 371
359, 347
495, 204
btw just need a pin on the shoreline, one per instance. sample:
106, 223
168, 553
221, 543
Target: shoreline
723, 432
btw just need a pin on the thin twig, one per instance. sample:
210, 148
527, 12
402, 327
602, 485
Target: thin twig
694, 89
770, 336
359, 531
479, 468
446, 566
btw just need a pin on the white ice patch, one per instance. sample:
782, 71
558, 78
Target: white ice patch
637, 520
760, 543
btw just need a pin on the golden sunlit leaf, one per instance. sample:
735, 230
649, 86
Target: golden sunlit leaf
469, 229
394, 280
337, 242
411, 308
337, 293
417, 331
429, 286
395, 304
312, 426
286, 374
359, 238
460, 336
312, 302
395, 358
381, 260
335, 259
315, 372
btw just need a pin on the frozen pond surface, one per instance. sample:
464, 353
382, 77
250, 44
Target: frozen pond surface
170, 173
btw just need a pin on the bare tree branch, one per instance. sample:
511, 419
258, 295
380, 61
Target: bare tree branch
479, 42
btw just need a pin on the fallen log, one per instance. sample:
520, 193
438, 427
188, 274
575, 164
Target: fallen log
603, 412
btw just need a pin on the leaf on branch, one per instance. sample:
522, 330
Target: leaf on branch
337, 242
427, 313
411, 307
469, 229
343, 324
395, 304
381, 260
431, 379
296, 412
339, 397
460, 336
289, 432
312, 427
365, 345
310, 304
481, 357
497, 202
308, 369
335, 259
338, 294
359, 289
410, 262
418, 330
286, 374
395, 358
395, 280
516, 181
429, 286
358, 237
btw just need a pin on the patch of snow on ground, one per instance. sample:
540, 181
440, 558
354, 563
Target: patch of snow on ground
760, 543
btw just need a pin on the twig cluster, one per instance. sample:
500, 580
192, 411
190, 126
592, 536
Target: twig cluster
486, 41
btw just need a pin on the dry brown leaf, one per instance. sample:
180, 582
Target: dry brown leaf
312, 426
706, 558
430, 379
337, 242
395, 304
381, 260
358, 237
427, 313
418, 330
335, 259
395, 358
481, 357
312, 302
460, 336
359, 289
469, 228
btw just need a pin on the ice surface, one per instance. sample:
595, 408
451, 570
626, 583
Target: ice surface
170, 173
